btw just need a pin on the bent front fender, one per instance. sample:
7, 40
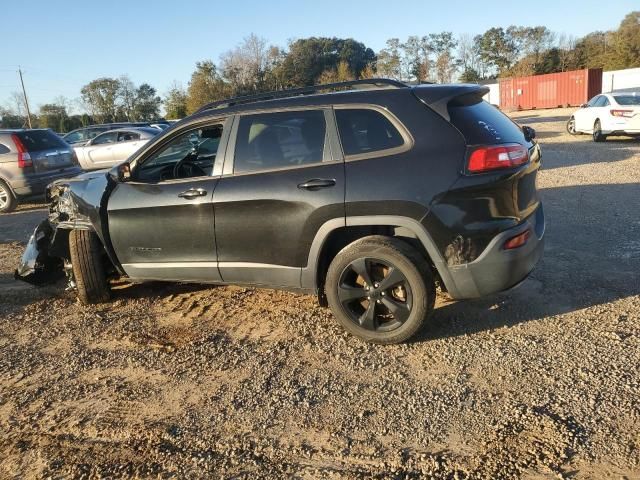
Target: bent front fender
37, 266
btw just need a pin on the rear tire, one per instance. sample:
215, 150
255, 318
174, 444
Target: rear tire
88, 268
8, 201
393, 303
598, 136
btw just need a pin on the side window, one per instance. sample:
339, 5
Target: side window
128, 136
94, 132
109, 137
73, 137
364, 131
593, 101
4, 149
280, 139
190, 154
604, 102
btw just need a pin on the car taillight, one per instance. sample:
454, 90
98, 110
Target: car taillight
24, 158
517, 241
493, 157
622, 113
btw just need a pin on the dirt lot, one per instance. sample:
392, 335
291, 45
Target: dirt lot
197, 382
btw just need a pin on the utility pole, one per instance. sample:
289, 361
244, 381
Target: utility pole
26, 102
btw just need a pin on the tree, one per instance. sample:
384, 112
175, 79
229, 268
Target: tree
9, 118
341, 74
468, 57
53, 116
126, 98
497, 50
591, 50
367, 73
443, 45
566, 54
389, 64
147, 103
626, 43
206, 86
308, 58
417, 61
101, 98
470, 75
245, 67
274, 77
175, 103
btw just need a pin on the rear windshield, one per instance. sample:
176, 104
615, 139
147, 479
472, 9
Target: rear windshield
36, 140
627, 99
483, 124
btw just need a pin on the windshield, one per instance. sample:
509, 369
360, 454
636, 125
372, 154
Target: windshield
627, 99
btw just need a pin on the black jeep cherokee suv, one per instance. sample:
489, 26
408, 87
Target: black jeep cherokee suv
367, 196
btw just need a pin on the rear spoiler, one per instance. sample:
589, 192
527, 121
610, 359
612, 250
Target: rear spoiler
437, 97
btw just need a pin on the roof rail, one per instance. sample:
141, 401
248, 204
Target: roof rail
294, 92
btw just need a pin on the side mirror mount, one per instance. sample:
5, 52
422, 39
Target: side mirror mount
584, 105
529, 133
121, 173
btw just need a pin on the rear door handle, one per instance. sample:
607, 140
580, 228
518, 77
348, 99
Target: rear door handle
193, 193
317, 183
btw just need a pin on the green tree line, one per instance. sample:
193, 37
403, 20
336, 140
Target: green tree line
255, 66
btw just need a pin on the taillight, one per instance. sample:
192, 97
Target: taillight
622, 113
494, 157
517, 241
24, 158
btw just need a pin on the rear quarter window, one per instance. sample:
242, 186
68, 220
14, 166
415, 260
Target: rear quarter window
483, 124
364, 131
4, 149
36, 140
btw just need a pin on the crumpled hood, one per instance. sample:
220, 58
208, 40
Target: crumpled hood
82, 177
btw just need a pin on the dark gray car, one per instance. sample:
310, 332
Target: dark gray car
29, 161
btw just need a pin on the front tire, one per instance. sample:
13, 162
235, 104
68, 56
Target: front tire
571, 126
598, 136
88, 267
380, 289
8, 201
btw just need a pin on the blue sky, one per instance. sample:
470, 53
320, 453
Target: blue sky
64, 45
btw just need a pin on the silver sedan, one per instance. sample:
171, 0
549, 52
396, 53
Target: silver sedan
112, 147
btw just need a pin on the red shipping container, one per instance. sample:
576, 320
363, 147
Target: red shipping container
551, 90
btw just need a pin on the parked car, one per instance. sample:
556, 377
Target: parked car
160, 126
113, 146
80, 136
607, 114
29, 160
367, 198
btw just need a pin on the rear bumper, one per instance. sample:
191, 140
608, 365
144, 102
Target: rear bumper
626, 131
498, 269
36, 185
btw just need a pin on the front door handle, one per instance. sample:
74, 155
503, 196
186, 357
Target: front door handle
193, 193
317, 183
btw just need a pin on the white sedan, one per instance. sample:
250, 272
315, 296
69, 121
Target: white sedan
112, 147
607, 114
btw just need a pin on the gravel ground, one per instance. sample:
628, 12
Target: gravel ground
187, 381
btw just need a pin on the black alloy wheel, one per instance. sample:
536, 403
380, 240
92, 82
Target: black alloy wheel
375, 294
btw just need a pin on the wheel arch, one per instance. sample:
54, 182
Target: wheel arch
336, 234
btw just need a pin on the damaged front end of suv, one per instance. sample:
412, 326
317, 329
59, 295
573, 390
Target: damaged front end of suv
74, 204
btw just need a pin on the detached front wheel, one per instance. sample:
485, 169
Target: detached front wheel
380, 289
87, 260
